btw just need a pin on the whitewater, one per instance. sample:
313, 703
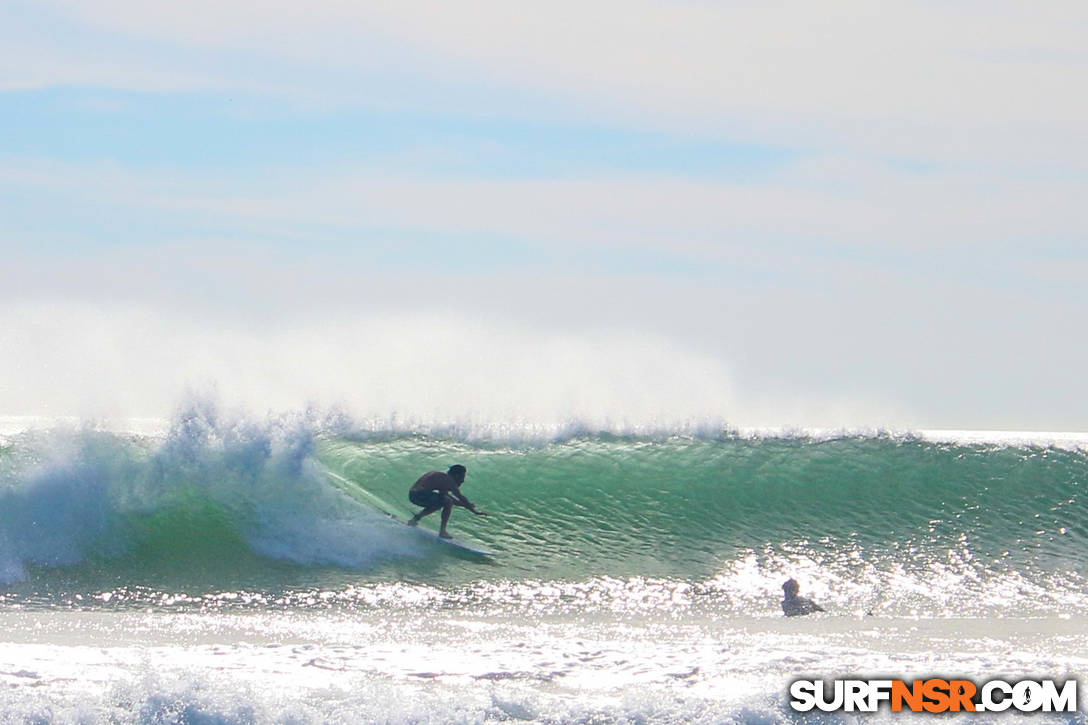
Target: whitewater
222, 569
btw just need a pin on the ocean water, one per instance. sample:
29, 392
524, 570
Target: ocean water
222, 571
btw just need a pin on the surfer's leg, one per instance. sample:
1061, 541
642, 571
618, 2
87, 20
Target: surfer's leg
446, 510
429, 501
425, 512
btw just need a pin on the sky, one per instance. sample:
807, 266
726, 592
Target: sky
772, 214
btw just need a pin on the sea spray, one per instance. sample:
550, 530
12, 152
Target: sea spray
83, 497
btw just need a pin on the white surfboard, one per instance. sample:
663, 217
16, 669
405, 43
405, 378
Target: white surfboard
463, 544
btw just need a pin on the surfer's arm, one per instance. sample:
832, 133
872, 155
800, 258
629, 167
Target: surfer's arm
462, 500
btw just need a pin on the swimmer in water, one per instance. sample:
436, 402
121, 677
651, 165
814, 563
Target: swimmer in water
795, 606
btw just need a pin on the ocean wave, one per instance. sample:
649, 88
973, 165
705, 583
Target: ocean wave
219, 503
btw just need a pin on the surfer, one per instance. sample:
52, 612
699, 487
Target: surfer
793, 605
437, 490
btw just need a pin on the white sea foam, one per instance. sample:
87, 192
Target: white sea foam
428, 666
70, 493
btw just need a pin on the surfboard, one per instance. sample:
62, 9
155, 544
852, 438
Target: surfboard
360, 494
465, 545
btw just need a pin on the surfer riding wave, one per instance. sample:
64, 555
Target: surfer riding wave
436, 490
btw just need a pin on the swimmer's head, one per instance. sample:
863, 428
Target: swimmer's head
791, 587
457, 472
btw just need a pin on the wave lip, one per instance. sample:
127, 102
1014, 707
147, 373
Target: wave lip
1069, 440
523, 432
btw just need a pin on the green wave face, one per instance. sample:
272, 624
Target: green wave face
681, 507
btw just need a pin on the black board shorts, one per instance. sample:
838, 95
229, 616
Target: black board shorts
427, 499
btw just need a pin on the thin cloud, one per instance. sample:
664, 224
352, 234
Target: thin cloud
826, 204
933, 80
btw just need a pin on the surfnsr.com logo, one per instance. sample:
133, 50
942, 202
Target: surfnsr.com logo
934, 695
